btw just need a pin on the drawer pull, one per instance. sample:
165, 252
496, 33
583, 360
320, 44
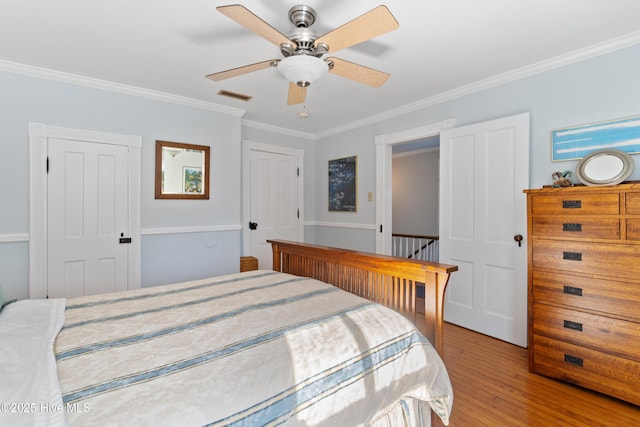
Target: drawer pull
576, 326
572, 290
572, 256
572, 227
576, 361
571, 204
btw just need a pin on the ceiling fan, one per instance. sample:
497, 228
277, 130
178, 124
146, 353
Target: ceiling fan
303, 50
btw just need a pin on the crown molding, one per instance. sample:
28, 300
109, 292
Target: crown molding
62, 77
277, 129
415, 152
579, 55
609, 46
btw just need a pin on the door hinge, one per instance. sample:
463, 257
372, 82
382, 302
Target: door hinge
298, 213
381, 228
298, 172
47, 164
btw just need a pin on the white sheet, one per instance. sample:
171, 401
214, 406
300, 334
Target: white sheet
29, 390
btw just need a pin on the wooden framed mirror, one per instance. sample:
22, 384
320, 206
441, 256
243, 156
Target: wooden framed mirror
182, 170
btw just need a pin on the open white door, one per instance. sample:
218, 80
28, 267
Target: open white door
484, 168
273, 203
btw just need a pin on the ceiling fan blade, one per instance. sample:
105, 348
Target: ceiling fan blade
241, 70
371, 24
359, 73
297, 94
249, 20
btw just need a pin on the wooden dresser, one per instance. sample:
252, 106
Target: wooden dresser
584, 287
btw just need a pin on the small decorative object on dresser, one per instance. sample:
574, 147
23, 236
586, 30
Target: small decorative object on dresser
562, 179
584, 286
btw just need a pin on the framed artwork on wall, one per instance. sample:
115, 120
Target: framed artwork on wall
343, 184
574, 143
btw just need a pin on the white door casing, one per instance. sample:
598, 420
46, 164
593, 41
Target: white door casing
384, 184
272, 198
484, 169
43, 137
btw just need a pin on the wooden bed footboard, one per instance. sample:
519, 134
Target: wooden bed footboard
390, 281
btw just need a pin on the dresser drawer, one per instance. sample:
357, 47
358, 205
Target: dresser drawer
576, 227
608, 374
616, 260
607, 296
576, 204
633, 229
632, 205
601, 333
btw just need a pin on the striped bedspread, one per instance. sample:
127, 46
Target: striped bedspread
248, 349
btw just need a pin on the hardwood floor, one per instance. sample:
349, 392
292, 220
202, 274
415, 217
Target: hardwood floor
493, 387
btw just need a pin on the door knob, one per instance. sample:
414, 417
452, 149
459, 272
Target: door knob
253, 225
518, 238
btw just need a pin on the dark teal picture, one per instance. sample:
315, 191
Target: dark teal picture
342, 184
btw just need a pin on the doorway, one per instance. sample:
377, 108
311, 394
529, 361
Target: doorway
384, 190
272, 199
53, 215
415, 171
484, 168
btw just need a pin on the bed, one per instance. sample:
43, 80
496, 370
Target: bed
265, 347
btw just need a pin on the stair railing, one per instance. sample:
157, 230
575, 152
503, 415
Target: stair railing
414, 246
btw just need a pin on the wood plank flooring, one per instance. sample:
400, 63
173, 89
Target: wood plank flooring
493, 387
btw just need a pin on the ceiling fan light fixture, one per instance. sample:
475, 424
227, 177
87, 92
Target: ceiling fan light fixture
302, 69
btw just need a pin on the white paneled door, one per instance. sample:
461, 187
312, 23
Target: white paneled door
274, 202
484, 168
87, 218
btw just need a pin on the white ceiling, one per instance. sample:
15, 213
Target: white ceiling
443, 47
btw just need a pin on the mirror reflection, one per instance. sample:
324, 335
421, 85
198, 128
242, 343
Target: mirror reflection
603, 167
182, 171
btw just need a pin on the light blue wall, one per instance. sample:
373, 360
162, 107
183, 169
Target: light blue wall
597, 89
415, 192
193, 255
175, 258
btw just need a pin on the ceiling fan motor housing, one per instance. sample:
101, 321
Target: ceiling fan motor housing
302, 16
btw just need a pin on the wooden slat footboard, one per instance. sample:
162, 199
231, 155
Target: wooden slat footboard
387, 280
